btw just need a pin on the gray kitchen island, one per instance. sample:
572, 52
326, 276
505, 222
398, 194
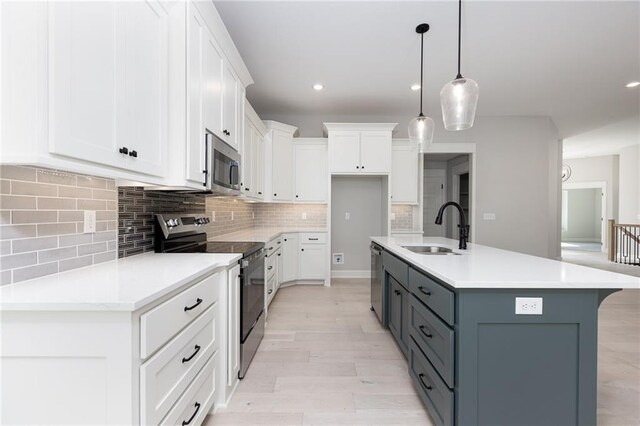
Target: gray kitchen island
494, 337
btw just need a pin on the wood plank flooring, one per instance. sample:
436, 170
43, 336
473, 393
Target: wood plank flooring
325, 360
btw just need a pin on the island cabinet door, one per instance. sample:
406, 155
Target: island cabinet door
398, 309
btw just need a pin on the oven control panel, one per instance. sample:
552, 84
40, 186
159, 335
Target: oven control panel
174, 224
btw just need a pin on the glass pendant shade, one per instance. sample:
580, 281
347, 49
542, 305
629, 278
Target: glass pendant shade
459, 99
421, 131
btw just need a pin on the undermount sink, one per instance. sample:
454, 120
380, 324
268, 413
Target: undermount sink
431, 250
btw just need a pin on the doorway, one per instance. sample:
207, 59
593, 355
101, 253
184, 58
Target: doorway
583, 221
447, 177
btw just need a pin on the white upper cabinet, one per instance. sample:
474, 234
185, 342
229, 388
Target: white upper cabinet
211, 89
248, 164
359, 148
279, 161
252, 162
108, 83
404, 173
310, 170
229, 107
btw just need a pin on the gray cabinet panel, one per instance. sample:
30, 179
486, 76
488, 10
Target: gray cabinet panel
399, 314
433, 294
433, 392
397, 268
433, 337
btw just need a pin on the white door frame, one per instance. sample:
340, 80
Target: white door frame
454, 148
594, 185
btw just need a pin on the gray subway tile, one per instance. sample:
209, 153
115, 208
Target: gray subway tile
70, 216
56, 229
92, 248
92, 205
103, 194
31, 188
13, 261
5, 247
104, 236
77, 262
10, 232
105, 257
74, 240
33, 216
73, 192
5, 277
34, 244
92, 182
35, 271
17, 202
46, 256
5, 217
18, 173
45, 203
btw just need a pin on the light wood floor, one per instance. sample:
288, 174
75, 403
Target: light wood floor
325, 360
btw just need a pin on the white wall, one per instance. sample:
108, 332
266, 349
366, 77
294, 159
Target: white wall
598, 169
584, 213
517, 178
629, 184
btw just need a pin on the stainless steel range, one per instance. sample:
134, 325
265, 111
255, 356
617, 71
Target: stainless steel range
182, 233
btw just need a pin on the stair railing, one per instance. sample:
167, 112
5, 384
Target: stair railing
624, 243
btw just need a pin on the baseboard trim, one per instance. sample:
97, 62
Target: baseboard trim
356, 273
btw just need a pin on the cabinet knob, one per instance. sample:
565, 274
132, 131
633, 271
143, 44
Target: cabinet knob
357, 167
123, 150
246, 189
396, 292
133, 153
302, 249
259, 192
275, 195
296, 196
362, 167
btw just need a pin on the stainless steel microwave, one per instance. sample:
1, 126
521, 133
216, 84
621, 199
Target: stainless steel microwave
222, 169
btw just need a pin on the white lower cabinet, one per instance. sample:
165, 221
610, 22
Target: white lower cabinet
290, 256
313, 262
81, 367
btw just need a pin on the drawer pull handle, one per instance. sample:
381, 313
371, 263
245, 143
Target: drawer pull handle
197, 348
428, 293
269, 268
426, 386
396, 292
423, 328
188, 308
193, 416
313, 239
270, 291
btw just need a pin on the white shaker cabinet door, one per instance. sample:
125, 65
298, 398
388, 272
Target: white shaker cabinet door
312, 261
404, 174
229, 107
145, 41
290, 257
248, 162
258, 163
282, 166
375, 152
310, 162
233, 322
86, 85
344, 152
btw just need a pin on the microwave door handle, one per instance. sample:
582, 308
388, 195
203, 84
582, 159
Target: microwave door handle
206, 158
231, 173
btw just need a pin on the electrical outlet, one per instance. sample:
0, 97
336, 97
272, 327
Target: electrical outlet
232, 215
338, 258
393, 216
253, 215
528, 305
89, 221
213, 216
347, 216
304, 215
489, 216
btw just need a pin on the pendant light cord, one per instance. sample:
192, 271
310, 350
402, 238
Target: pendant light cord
459, 37
421, 67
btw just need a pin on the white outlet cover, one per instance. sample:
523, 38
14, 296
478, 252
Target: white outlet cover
347, 216
489, 216
393, 216
232, 215
213, 216
304, 215
89, 221
528, 305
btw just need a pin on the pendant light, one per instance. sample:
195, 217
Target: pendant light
459, 98
421, 127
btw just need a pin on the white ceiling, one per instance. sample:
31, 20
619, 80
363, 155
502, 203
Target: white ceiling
605, 140
567, 60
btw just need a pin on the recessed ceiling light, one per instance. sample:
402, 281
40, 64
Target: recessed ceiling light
415, 87
633, 84
318, 86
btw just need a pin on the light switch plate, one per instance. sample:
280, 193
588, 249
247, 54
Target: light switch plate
347, 216
528, 305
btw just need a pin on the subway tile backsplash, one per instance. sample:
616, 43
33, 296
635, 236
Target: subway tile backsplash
42, 222
403, 217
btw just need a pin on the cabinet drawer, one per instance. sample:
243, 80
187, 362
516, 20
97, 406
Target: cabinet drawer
170, 371
270, 265
162, 322
271, 287
397, 268
196, 402
433, 337
273, 245
313, 238
434, 393
438, 298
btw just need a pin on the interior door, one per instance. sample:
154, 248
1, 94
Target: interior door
434, 187
375, 152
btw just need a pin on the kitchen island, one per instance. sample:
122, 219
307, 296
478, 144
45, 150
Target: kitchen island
496, 337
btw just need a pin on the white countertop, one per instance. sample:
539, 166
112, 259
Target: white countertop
261, 234
487, 267
120, 285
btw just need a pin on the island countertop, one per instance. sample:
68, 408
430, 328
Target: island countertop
121, 285
483, 267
